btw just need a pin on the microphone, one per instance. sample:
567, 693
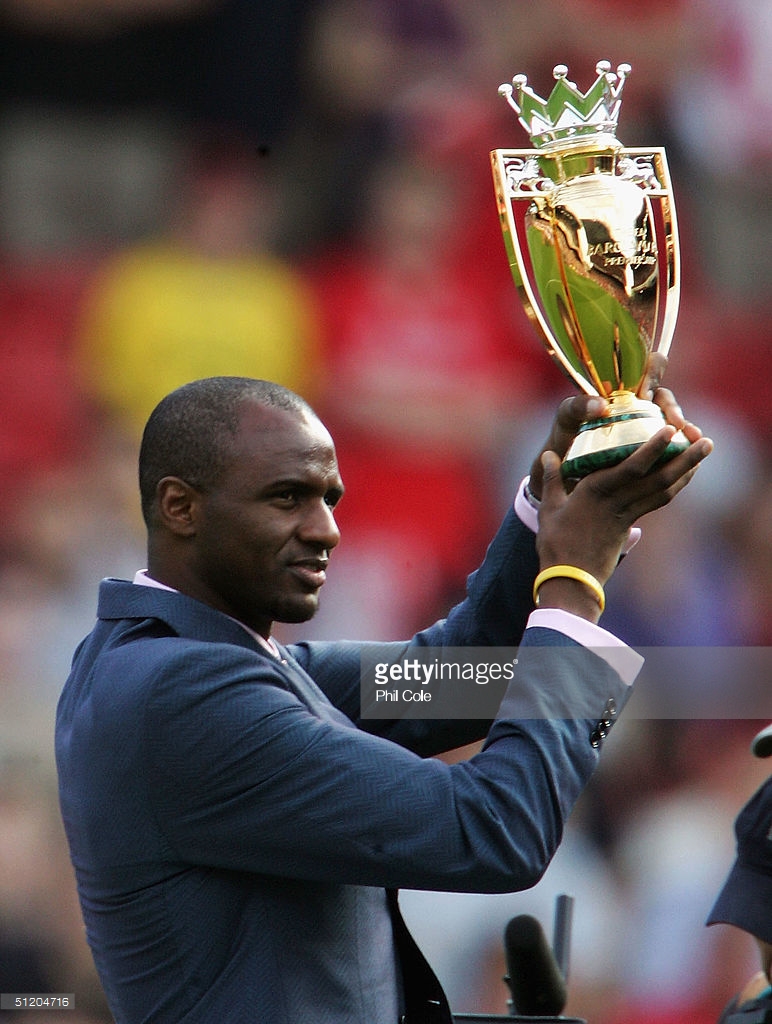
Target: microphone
535, 980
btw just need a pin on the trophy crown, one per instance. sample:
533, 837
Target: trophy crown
569, 115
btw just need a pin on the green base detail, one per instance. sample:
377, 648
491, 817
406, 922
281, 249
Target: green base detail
583, 465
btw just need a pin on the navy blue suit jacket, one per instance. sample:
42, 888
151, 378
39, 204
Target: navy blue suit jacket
239, 834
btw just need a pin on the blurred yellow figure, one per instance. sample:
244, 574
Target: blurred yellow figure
208, 298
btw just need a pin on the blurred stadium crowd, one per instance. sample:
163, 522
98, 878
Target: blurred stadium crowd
300, 190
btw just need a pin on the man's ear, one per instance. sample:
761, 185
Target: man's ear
176, 503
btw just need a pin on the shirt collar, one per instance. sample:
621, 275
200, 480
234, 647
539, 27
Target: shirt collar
142, 579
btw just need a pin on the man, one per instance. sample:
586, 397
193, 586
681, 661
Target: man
238, 830
745, 900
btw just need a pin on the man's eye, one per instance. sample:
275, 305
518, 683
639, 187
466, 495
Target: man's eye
288, 497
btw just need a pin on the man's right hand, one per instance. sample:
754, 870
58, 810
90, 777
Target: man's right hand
588, 528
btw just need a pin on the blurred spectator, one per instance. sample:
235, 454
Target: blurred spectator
420, 73
359, 57
67, 530
722, 113
46, 420
749, 537
206, 297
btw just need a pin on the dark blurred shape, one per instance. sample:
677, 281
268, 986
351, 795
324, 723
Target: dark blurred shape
230, 60
534, 978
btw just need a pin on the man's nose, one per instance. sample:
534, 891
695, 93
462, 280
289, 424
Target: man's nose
320, 526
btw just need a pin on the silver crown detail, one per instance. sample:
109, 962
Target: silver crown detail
569, 114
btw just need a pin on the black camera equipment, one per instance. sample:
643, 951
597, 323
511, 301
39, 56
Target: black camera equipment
536, 973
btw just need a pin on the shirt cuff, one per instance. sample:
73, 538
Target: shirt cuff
626, 662
527, 509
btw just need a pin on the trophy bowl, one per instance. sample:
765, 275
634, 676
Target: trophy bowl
590, 233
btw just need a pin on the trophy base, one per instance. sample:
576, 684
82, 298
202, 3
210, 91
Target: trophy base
605, 442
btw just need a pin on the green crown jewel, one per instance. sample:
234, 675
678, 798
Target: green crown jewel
568, 114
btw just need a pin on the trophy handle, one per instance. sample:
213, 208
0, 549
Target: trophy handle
670, 262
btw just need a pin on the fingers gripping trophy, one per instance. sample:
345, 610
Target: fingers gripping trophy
590, 233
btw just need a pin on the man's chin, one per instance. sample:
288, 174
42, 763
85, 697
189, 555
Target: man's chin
295, 612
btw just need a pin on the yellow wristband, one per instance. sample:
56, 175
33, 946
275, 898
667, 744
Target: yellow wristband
572, 572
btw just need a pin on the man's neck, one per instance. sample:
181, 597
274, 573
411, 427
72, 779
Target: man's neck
143, 578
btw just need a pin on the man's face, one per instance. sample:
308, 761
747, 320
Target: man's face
265, 531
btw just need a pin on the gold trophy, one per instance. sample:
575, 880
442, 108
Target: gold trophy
590, 233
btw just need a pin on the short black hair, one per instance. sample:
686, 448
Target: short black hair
187, 434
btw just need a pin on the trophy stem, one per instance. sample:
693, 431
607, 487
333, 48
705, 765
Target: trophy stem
606, 441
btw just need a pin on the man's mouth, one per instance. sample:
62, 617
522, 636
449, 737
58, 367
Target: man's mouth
311, 571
